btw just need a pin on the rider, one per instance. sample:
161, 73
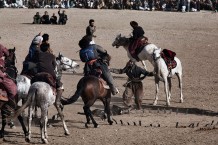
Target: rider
137, 38
7, 83
29, 64
46, 63
134, 85
91, 55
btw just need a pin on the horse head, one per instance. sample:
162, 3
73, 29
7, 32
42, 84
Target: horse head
10, 61
156, 54
120, 41
67, 64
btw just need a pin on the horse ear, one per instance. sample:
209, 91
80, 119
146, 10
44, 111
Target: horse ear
119, 35
14, 49
59, 55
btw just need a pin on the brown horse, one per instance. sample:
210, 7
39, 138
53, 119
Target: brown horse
91, 88
5, 106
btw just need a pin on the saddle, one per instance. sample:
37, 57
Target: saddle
104, 83
137, 46
168, 57
45, 77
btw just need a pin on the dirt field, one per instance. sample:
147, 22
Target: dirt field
193, 36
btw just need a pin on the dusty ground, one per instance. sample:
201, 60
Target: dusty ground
193, 36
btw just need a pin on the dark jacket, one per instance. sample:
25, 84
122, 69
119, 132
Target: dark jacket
138, 32
46, 63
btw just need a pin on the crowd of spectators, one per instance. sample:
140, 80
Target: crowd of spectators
150, 5
46, 19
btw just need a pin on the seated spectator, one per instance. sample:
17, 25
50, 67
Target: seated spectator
62, 17
37, 18
53, 19
208, 5
45, 18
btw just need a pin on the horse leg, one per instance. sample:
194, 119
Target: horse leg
85, 108
166, 91
88, 113
107, 108
2, 131
157, 89
57, 105
180, 86
144, 65
20, 118
30, 115
170, 87
43, 123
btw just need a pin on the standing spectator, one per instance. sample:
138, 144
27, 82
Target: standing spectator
53, 19
188, 5
62, 17
90, 30
45, 18
37, 18
134, 85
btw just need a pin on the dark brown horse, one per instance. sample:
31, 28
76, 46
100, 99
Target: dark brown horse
91, 88
5, 106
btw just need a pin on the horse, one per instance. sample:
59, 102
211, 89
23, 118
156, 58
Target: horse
41, 95
150, 52
91, 88
4, 105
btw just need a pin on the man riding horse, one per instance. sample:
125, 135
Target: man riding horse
6, 83
137, 40
91, 54
94, 66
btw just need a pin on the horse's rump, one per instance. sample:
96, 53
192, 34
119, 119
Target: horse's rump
44, 77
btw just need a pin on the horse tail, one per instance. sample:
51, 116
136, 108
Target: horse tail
76, 95
30, 99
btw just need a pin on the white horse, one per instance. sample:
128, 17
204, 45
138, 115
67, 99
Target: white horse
151, 53
41, 95
63, 64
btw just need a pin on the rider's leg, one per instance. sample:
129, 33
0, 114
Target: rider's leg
109, 79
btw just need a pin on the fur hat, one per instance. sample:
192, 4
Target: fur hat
44, 47
91, 20
133, 23
38, 39
45, 37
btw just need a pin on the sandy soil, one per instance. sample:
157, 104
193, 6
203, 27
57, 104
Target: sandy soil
193, 36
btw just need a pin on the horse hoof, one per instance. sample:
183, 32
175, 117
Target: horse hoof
86, 125
96, 126
66, 133
155, 103
55, 117
181, 101
111, 122
27, 139
45, 141
12, 127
